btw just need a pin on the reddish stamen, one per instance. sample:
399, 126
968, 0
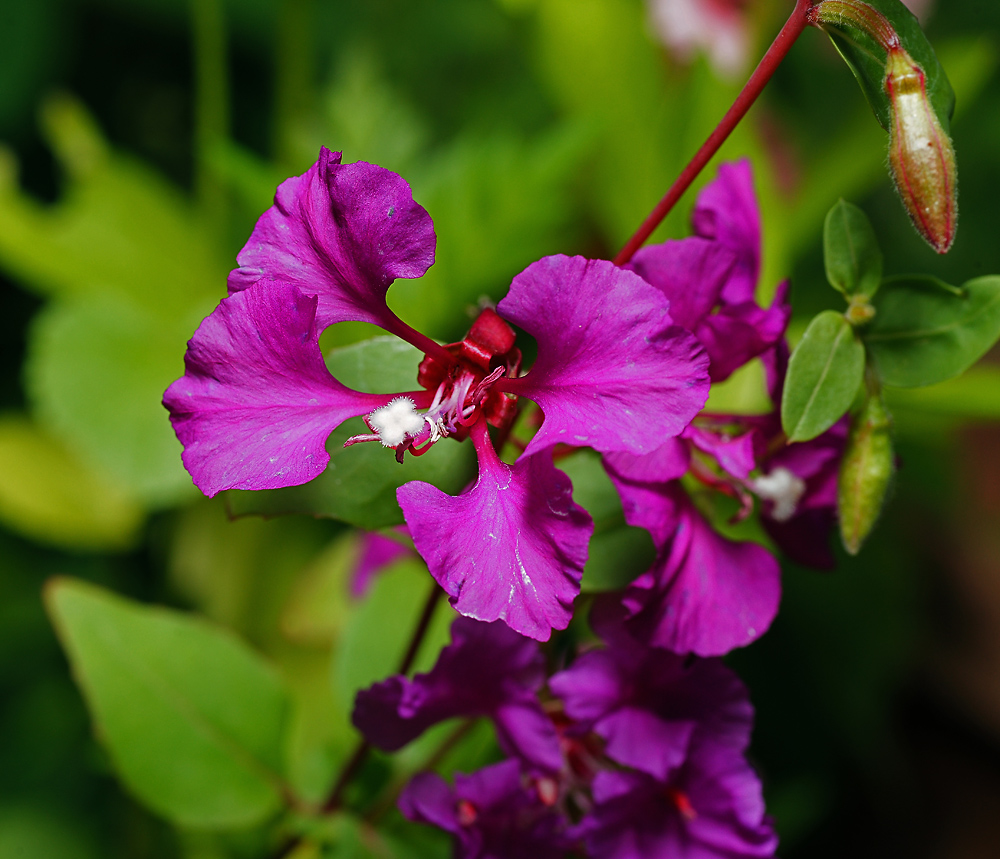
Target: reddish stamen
681, 803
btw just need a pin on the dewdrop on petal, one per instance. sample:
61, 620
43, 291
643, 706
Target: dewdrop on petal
396, 422
921, 156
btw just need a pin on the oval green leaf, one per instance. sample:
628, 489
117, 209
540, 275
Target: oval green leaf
194, 721
850, 251
925, 332
824, 374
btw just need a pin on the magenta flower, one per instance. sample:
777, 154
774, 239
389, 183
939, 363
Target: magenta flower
710, 808
704, 594
487, 670
256, 403
711, 277
650, 705
494, 813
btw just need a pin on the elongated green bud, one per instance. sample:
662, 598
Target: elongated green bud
865, 472
920, 153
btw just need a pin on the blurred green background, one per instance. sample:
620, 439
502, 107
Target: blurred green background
141, 139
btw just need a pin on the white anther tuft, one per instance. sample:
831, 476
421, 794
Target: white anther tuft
395, 422
782, 487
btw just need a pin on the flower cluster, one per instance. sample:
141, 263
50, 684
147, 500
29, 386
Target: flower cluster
638, 747
630, 752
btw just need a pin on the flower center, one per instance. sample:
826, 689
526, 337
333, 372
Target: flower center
783, 488
463, 391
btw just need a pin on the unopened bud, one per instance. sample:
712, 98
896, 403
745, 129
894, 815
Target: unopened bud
865, 472
920, 152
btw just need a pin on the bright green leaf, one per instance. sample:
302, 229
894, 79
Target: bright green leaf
51, 496
193, 720
824, 374
118, 228
96, 371
850, 251
924, 333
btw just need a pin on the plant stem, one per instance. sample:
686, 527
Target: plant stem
361, 752
779, 49
211, 108
293, 83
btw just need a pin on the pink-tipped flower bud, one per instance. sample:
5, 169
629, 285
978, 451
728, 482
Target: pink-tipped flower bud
920, 153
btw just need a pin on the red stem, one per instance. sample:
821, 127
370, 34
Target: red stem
395, 325
779, 49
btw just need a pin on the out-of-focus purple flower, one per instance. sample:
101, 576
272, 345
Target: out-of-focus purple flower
709, 808
256, 403
711, 277
487, 670
492, 813
650, 705
719, 27
375, 553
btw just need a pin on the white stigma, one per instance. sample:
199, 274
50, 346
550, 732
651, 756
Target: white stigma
783, 488
395, 422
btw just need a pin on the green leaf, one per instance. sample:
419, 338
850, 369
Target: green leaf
850, 251
194, 721
119, 227
824, 374
924, 333
359, 485
96, 371
48, 494
867, 61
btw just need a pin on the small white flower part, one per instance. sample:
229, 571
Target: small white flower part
783, 488
395, 422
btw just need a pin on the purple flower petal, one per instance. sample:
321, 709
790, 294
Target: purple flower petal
256, 402
511, 548
376, 553
734, 455
739, 332
490, 812
706, 594
613, 372
648, 704
726, 212
668, 462
690, 272
487, 670
711, 809
343, 232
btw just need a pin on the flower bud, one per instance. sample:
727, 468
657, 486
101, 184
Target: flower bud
920, 152
865, 472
